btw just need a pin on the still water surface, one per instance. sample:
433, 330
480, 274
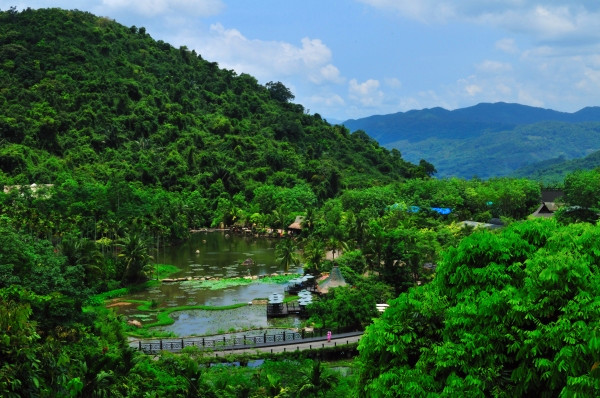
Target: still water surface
215, 255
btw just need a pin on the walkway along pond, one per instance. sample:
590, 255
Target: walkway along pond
274, 342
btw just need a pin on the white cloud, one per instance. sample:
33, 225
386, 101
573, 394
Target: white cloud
409, 103
489, 66
367, 92
542, 23
590, 80
503, 89
393, 83
547, 57
331, 100
473, 89
201, 8
561, 21
422, 10
329, 73
527, 97
266, 60
507, 45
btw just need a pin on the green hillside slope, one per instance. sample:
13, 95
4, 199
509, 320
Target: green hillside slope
84, 97
554, 171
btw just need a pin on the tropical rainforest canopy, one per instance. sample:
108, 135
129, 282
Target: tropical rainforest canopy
132, 143
86, 100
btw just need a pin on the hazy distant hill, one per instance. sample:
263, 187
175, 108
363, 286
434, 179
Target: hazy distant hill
485, 140
553, 171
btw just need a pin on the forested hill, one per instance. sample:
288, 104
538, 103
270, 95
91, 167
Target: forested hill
85, 98
554, 171
486, 140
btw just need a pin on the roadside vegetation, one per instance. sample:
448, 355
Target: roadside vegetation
139, 142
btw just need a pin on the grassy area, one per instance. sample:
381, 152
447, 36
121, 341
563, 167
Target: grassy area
163, 318
101, 298
165, 270
217, 284
293, 366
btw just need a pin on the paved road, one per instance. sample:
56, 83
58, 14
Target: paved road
277, 347
297, 345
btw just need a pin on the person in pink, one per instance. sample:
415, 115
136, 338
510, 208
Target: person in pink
329, 336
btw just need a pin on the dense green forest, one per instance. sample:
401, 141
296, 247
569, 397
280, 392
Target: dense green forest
99, 109
508, 315
132, 143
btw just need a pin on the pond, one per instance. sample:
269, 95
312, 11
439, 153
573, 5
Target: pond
215, 255
200, 322
219, 254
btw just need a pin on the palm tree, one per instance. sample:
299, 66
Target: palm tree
314, 251
373, 245
274, 386
287, 253
85, 253
336, 243
309, 220
279, 218
317, 380
91, 258
134, 253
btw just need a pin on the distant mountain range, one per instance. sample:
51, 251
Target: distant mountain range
486, 140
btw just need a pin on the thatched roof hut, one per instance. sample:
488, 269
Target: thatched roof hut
297, 224
545, 209
335, 279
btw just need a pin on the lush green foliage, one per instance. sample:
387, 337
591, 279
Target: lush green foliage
87, 99
143, 142
582, 188
509, 314
581, 197
349, 307
554, 171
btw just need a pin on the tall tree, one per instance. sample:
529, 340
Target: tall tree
314, 253
21, 371
135, 256
317, 380
287, 253
279, 92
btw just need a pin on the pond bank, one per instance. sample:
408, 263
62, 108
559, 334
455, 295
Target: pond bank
209, 278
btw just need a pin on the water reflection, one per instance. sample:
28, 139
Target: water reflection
216, 255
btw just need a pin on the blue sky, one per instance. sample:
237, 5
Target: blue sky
356, 58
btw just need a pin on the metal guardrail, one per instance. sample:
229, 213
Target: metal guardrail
218, 343
225, 343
